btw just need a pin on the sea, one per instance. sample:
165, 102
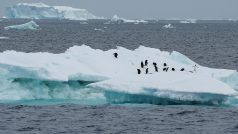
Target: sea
209, 43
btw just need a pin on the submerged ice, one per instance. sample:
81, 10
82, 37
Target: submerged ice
27, 26
92, 75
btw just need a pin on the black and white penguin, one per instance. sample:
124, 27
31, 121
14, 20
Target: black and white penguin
142, 64
165, 64
182, 69
138, 71
173, 69
146, 62
147, 71
167, 69
155, 64
115, 55
156, 69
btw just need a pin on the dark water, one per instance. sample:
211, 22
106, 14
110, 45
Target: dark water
209, 44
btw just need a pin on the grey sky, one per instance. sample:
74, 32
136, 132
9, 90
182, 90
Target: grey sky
145, 9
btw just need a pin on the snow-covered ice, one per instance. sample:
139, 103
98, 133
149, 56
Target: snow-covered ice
43, 11
27, 26
103, 72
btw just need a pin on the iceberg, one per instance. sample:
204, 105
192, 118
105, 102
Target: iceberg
4, 38
92, 75
188, 21
27, 26
168, 26
43, 11
118, 19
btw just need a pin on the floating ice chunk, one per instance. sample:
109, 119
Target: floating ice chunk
84, 22
188, 21
4, 38
28, 26
168, 26
43, 11
118, 19
99, 29
85, 73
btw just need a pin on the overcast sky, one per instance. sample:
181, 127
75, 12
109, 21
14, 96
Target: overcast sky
146, 9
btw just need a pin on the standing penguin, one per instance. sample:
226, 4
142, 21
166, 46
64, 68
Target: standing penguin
155, 65
142, 64
173, 69
156, 69
146, 62
147, 71
165, 64
167, 69
115, 55
195, 68
138, 71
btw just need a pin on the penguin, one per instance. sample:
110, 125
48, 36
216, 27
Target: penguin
115, 55
165, 64
167, 69
164, 69
142, 65
146, 62
147, 71
155, 64
156, 69
138, 71
182, 69
195, 68
173, 69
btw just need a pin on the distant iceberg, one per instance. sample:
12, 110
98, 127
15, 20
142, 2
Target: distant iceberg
43, 11
27, 26
118, 19
3, 38
168, 26
189, 21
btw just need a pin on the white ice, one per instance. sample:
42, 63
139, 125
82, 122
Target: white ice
27, 26
116, 18
168, 26
120, 74
4, 38
188, 21
43, 11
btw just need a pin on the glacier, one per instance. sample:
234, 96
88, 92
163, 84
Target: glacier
43, 11
26, 26
94, 76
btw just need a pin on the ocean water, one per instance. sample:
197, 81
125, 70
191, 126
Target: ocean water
212, 44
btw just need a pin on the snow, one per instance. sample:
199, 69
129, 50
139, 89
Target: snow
27, 26
43, 11
120, 74
168, 26
118, 19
